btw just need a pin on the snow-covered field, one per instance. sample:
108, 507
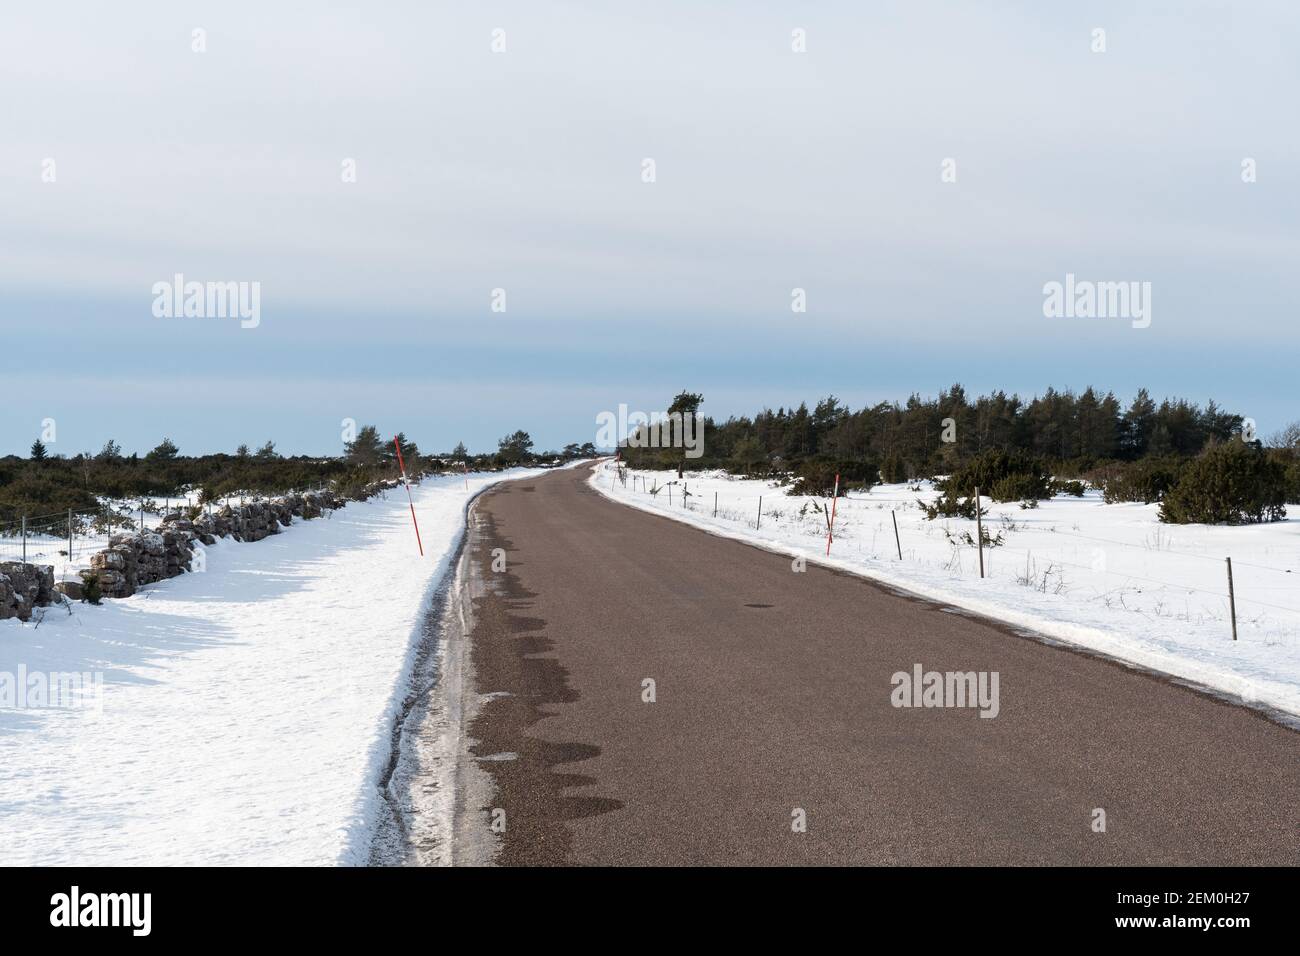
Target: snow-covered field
1110, 578
245, 712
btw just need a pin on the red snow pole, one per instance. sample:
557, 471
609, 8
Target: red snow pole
402, 465
830, 528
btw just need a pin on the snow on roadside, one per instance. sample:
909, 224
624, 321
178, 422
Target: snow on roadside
1109, 578
245, 712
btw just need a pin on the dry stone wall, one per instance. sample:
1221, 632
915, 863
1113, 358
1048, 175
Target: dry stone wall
133, 560
23, 587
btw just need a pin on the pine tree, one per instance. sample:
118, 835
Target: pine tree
1218, 425
165, 451
1137, 426
748, 455
687, 405
38, 451
367, 449
515, 448
410, 454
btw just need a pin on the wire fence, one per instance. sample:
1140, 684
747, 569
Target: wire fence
67, 539
63, 539
1028, 553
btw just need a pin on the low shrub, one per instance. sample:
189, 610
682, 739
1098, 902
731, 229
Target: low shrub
1021, 486
816, 476
1002, 476
1075, 488
1232, 483
91, 592
1147, 480
950, 505
39, 494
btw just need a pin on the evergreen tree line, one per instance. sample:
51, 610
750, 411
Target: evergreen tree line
1133, 452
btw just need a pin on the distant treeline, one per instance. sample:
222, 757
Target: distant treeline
1133, 452
46, 483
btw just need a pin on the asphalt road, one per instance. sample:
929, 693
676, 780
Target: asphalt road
773, 699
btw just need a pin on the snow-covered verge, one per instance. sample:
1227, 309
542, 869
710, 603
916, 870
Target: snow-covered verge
1110, 578
244, 714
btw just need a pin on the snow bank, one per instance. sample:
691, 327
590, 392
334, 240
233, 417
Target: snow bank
1109, 578
245, 712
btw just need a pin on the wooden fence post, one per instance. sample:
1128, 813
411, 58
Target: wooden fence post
1232, 599
830, 521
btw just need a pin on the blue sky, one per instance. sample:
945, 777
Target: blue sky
522, 170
